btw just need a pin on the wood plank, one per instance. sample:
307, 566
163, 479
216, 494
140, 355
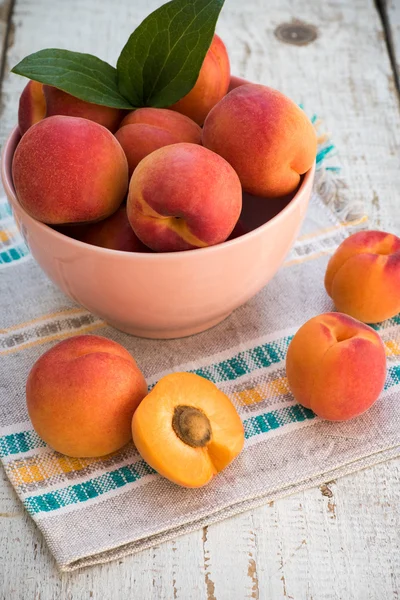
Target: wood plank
344, 75
337, 542
5, 13
390, 10
309, 545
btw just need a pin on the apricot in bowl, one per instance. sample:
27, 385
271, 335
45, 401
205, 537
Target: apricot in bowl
169, 294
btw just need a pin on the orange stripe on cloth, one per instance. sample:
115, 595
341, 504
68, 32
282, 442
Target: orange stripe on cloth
342, 225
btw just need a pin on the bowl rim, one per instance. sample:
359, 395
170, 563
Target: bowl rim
6, 176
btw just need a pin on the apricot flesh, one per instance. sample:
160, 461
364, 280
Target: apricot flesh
336, 366
187, 429
363, 276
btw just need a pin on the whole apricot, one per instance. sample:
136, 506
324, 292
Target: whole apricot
336, 366
114, 233
183, 196
69, 170
81, 395
61, 103
265, 136
363, 276
211, 85
32, 106
147, 129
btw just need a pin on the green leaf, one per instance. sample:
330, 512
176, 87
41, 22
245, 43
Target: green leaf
161, 61
82, 75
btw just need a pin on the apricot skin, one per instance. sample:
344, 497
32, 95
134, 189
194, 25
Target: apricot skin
267, 138
363, 276
32, 106
148, 129
211, 85
69, 170
61, 103
81, 396
336, 366
114, 233
182, 197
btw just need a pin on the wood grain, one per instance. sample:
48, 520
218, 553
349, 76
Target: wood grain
390, 10
5, 31
311, 545
340, 541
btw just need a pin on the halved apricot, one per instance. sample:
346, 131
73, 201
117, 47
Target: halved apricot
187, 429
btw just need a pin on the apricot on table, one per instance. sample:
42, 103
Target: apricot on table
187, 429
183, 196
211, 85
336, 366
148, 129
114, 233
81, 395
69, 170
363, 276
32, 106
265, 136
62, 103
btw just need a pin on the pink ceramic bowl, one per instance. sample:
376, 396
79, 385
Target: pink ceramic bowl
171, 294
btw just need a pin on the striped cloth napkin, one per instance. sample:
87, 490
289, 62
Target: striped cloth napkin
95, 510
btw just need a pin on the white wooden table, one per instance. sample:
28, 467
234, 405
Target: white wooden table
340, 541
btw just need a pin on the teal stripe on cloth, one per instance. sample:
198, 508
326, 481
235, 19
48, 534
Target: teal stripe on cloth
243, 363
5, 210
246, 362
275, 419
15, 443
323, 152
12, 254
393, 377
80, 492
15, 248
386, 324
113, 480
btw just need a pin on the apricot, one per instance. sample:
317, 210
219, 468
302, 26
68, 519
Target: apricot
187, 429
61, 103
32, 106
235, 82
182, 197
336, 366
81, 395
211, 85
147, 129
363, 276
114, 233
267, 138
69, 170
